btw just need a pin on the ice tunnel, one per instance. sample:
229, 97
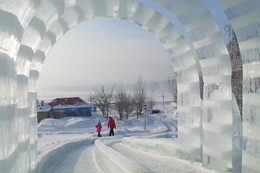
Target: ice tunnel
209, 128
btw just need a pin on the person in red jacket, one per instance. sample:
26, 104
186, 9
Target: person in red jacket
99, 127
111, 124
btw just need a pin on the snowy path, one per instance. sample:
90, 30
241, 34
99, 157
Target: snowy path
157, 164
80, 160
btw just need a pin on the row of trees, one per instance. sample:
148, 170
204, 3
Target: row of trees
124, 102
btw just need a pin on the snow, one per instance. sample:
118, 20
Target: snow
79, 158
45, 108
70, 144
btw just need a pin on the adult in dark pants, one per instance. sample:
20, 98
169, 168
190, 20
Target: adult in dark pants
111, 124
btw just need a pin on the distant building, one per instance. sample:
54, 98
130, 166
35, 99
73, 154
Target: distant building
63, 107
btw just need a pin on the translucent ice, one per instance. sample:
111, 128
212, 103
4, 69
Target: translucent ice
30, 28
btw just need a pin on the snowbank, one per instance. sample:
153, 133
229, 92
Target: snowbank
160, 146
112, 161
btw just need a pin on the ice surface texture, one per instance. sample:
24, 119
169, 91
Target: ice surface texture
247, 32
30, 28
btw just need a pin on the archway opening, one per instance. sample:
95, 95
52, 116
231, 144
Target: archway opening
102, 51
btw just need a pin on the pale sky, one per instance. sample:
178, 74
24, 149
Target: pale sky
102, 51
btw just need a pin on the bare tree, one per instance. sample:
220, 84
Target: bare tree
120, 99
123, 103
139, 96
129, 105
102, 98
151, 102
237, 70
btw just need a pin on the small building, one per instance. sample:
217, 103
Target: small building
43, 112
63, 107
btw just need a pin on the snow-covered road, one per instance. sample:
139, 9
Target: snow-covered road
80, 160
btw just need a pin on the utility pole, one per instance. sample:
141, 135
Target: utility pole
145, 114
163, 100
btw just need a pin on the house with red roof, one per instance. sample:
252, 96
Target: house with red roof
63, 107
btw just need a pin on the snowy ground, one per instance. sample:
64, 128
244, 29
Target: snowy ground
57, 133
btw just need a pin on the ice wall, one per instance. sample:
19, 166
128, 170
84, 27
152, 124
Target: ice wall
30, 28
216, 71
17, 127
244, 17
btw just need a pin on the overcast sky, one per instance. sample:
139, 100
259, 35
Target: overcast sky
104, 51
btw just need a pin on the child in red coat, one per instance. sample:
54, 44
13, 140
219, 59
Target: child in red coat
99, 127
111, 124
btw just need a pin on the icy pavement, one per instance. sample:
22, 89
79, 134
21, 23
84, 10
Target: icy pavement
80, 160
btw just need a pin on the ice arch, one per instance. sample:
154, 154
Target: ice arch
29, 29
